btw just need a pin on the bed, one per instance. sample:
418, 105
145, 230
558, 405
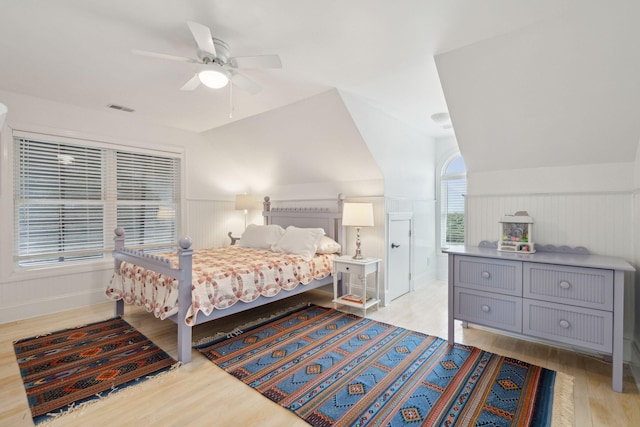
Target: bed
188, 286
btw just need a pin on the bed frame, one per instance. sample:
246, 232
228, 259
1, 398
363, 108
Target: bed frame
330, 221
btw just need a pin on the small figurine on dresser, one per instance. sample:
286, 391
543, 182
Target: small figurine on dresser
516, 233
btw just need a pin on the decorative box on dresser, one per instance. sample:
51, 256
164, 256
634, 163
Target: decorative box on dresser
573, 299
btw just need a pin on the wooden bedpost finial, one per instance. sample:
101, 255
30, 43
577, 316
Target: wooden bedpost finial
119, 231
185, 242
267, 203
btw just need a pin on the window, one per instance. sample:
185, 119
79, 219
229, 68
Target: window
453, 186
69, 196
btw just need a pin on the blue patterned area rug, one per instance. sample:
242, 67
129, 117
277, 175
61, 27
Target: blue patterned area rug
337, 369
64, 370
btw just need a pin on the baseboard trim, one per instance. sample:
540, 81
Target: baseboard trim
45, 306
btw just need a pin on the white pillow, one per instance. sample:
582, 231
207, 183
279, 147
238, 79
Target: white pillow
299, 241
328, 246
260, 236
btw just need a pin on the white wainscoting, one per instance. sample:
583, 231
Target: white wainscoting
209, 221
601, 222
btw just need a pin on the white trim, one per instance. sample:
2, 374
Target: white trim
566, 193
85, 136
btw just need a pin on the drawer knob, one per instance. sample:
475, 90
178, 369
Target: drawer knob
486, 274
346, 268
565, 285
486, 308
564, 324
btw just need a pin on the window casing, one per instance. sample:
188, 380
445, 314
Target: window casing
69, 196
453, 187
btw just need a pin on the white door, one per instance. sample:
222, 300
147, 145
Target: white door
399, 250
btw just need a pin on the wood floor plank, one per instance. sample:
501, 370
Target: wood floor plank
202, 394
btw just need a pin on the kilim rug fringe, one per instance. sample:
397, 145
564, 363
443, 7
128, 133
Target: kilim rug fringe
338, 369
562, 415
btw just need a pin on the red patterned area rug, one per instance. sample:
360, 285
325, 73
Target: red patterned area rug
337, 369
66, 369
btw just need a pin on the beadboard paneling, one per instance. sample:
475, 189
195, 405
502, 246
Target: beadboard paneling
602, 223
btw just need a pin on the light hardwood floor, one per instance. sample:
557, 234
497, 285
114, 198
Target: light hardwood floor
201, 394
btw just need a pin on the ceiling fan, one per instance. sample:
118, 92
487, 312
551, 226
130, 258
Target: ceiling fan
217, 67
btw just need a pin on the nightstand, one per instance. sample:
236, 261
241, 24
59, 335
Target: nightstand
360, 268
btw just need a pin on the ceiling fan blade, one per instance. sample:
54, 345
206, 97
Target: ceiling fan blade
244, 82
164, 56
203, 37
258, 61
192, 83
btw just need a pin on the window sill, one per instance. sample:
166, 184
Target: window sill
21, 274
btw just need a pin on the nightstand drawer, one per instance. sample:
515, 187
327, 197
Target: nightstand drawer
582, 327
491, 275
340, 267
484, 308
584, 287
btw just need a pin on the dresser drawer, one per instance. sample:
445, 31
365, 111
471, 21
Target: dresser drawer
491, 275
582, 327
584, 287
484, 308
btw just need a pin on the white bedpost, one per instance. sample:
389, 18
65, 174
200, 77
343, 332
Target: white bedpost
184, 299
118, 244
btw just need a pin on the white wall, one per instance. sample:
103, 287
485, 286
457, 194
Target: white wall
404, 155
310, 149
406, 158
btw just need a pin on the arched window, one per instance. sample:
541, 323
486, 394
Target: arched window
453, 187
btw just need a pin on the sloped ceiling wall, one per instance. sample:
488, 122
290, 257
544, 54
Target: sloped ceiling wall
405, 155
309, 149
327, 144
558, 93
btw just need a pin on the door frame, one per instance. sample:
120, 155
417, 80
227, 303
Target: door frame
397, 216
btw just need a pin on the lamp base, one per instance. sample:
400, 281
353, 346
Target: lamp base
358, 254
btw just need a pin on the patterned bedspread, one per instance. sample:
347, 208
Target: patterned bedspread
221, 277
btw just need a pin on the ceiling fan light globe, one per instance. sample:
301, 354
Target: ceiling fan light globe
215, 79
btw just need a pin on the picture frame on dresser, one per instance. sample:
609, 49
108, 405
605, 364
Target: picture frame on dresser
560, 295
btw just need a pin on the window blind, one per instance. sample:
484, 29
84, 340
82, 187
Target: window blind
453, 187
69, 197
452, 214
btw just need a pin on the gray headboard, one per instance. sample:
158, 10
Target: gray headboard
325, 218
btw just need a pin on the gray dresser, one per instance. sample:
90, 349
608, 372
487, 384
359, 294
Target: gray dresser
570, 299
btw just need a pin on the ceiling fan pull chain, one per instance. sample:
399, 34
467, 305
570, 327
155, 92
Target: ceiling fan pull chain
230, 100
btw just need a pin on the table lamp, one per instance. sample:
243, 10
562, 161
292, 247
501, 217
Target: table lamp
357, 215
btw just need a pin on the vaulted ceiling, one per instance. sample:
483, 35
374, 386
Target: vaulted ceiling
518, 75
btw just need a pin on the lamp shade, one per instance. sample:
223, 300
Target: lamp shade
357, 215
244, 202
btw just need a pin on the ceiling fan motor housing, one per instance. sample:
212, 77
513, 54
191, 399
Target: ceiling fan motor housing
222, 53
